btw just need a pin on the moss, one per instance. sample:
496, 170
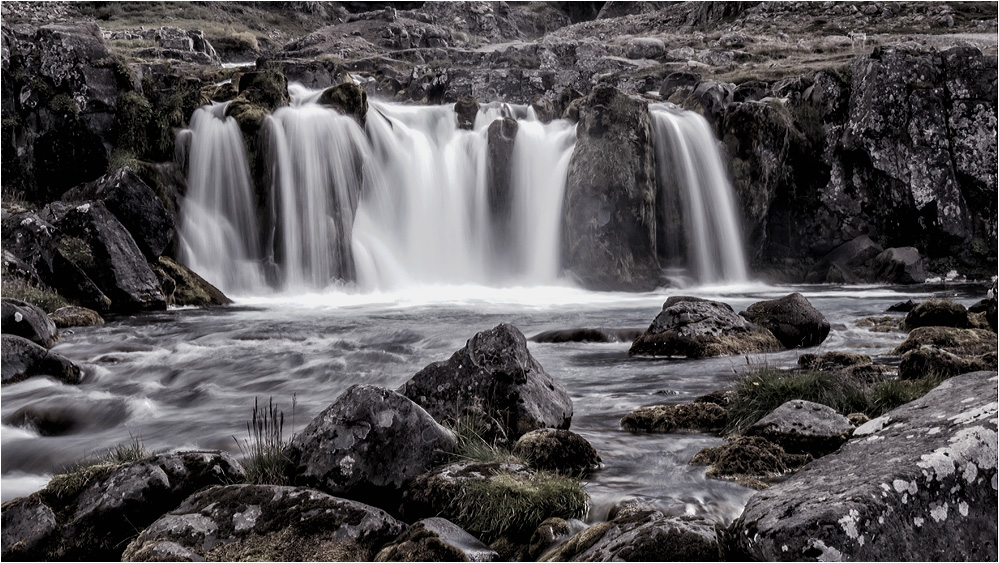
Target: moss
64, 105
132, 122
77, 251
697, 417
959, 341
122, 158
191, 289
748, 456
883, 323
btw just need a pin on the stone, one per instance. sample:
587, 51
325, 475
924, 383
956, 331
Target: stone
368, 444
27, 525
690, 417
466, 108
850, 259
791, 319
436, 539
500, 136
587, 335
934, 312
899, 266
833, 360
902, 306
73, 316
190, 289
645, 48
748, 459
265, 522
27, 321
930, 494
347, 98
695, 328
560, 451
23, 358
964, 342
551, 533
495, 379
927, 361
803, 427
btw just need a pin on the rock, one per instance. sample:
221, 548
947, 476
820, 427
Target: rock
690, 417
684, 82
924, 362
935, 312
72, 316
368, 444
27, 321
930, 495
23, 359
493, 378
560, 451
833, 361
190, 289
27, 524
902, 306
792, 319
898, 265
609, 205
134, 204
267, 522
699, 329
587, 335
347, 98
501, 135
436, 539
748, 459
265, 88
964, 342
641, 535
645, 48
466, 108
849, 259
881, 323
550, 533
803, 427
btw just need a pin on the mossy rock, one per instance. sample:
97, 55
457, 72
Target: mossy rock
748, 459
833, 360
347, 98
964, 342
248, 115
689, 417
882, 323
561, 451
72, 316
936, 312
265, 88
190, 289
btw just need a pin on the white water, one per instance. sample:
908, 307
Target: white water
688, 160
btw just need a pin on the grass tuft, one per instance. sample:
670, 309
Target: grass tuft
69, 484
263, 449
46, 299
471, 446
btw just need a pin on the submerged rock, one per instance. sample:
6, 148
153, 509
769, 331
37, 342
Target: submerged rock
916, 483
588, 335
692, 417
23, 358
27, 321
560, 451
803, 427
792, 319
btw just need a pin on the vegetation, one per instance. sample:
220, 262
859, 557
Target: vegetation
68, 485
44, 298
263, 449
471, 446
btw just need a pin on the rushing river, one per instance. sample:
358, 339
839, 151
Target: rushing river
187, 378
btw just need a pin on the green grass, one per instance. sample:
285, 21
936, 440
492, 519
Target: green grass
44, 298
471, 446
887, 395
263, 449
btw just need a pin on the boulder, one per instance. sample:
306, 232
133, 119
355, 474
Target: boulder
587, 335
898, 265
134, 204
964, 342
902, 306
803, 427
935, 312
645, 48
71, 316
23, 358
551, 533
436, 539
27, 526
792, 319
561, 451
496, 379
368, 444
846, 263
466, 108
690, 417
697, 328
189, 289
749, 460
930, 494
268, 523
347, 98
27, 321
927, 361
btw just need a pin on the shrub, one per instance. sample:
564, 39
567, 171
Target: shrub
263, 449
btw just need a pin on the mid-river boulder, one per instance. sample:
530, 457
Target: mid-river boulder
792, 319
803, 427
27, 321
23, 358
918, 483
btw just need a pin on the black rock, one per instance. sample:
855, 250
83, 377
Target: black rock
792, 319
28, 321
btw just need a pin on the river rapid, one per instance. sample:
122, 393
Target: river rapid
187, 378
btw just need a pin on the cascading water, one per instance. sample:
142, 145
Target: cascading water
697, 197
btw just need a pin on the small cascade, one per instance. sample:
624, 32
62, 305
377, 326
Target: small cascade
703, 235
218, 231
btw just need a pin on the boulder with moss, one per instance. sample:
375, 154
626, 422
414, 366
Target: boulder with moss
27, 321
792, 319
696, 328
560, 451
803, 427
265, 523
750, 460
347, 98
23, 358
964, 342
688, 417
928, 361
72, 316
936, 312
436, 539
189, 289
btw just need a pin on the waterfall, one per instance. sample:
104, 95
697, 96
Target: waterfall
699, 214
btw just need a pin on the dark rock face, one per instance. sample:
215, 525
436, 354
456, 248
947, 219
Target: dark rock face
501, 136
370, 441
803, 427
847, 262
436, 539
690, 417
23, 359
609, 205
27, 321
560, 451
937, 313
28, 524
931, 494
349, 99
792, 319
493, 378
699, 329
266, 522
587, 335
899, 265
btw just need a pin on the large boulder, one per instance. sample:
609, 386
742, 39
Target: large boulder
792, 319
561, 451
368, 444
27, 321
935, 312
436, 539
496, 379
610, 203
697, 328
929, 361
847, 263
916, 483
347, 98
189, 288
898, 265
23, 358
266, 523
72, 316
803, 427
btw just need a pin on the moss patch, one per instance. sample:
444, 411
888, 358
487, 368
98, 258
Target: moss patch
695, 417
751, 457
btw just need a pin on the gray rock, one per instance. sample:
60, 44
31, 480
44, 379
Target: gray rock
750, 460
347, 98
929, 361
500, 136
495, 379
436, 539
695, 328
466, 108
916, 483
23, 358
963, 342
936, 312
27, 525
701, 416
560, 451
792, 319
645, 48
803, 427
898, 265
27, 321
847, 263
71, 316
236, 522
368, 444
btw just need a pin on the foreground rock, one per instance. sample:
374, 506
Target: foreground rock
939, 363
695, 328
27, 321
803, 427
23, 358
964, 342
930, 494
368, 444
188, 287
436, 539
71, 316
265, 523
792, 319
495, 379
691, 417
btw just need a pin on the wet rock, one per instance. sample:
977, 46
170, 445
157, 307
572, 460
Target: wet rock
928, 361
501, 135
929, 496
550, 533
898, 265
27, 321
266, 522
190, 289
803, 427
23, 359
495, 379
699, 329
691, 417
792, 319
560, 451
882, 323
935, 312
748, 459
27, 525
72, 316
902, 306
436, 539
964, 342
349, 99
467, 107
587, 335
